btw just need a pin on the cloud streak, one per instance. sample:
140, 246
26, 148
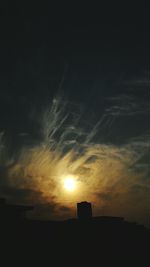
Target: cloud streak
113, 177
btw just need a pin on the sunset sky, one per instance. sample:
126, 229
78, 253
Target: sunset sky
74, 116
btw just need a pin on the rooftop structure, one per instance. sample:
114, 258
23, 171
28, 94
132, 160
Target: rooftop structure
84, 210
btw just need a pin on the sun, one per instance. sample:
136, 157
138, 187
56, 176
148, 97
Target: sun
70, 183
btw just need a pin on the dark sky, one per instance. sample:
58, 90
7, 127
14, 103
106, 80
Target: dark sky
97, 59
102, 68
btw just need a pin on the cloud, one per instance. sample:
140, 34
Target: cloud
127, 105
113, 177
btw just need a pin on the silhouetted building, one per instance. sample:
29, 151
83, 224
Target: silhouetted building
12, 212
84, 210
109, 219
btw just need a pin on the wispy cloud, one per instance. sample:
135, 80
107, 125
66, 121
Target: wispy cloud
113, 177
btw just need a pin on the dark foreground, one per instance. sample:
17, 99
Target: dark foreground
99, 242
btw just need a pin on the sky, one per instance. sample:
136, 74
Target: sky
74, 102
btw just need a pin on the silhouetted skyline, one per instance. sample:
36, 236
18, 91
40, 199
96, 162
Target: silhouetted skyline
105, 240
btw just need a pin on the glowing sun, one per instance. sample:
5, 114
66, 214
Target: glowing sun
69, 183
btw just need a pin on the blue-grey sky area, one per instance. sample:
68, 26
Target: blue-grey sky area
80, 88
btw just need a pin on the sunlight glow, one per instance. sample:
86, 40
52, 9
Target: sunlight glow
70, 183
